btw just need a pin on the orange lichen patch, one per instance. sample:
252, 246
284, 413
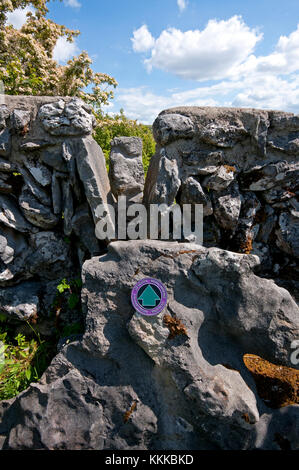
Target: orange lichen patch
175, 255
278, 386
246, 418
25, 130
230, 169
175, 326
128, 414
246, 247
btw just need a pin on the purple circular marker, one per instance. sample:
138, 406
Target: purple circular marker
149, 297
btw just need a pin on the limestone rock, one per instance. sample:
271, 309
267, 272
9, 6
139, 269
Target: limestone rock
20, 120
5, 143
37, 190
170, 127
271, 175
68, 119
40, 172
165, 179
192, 193
5, 187
92, 171
4, 115
21, 302
187, 394
288, 233
126, 171
6, 166
51, 256
83, 227
220, 180
13, 252
68, 207
36, 213
11, 216
53, 158
56, 194
227, 207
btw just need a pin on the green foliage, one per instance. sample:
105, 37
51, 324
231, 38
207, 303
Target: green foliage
25, 360
63, 286
119, 126
72, 290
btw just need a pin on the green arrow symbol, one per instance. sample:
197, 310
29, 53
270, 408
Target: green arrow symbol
149, 297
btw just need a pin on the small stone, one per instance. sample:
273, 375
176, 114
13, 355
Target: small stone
5, 143
37, 191
40, 172
11, 216
6, 166
192, 193
51, 256
20, 303
20, 120
220, 180
36, 213
288, 233
4, 115
227, 206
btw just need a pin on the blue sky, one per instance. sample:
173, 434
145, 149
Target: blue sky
165, 53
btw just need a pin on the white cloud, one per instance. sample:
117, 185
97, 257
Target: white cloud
223, 53
18, 17
251, 92
182, 4
283, 60
212, 53
144, 105
72, 3
142, 39
64, 50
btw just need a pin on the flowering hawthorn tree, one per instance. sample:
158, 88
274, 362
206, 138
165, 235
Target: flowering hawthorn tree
27, 66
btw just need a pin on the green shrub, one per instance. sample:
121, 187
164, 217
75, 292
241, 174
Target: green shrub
25, 360
119, 126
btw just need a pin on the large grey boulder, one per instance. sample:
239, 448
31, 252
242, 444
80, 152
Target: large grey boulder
189, 392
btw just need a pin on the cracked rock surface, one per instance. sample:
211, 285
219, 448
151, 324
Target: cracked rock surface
192, 391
